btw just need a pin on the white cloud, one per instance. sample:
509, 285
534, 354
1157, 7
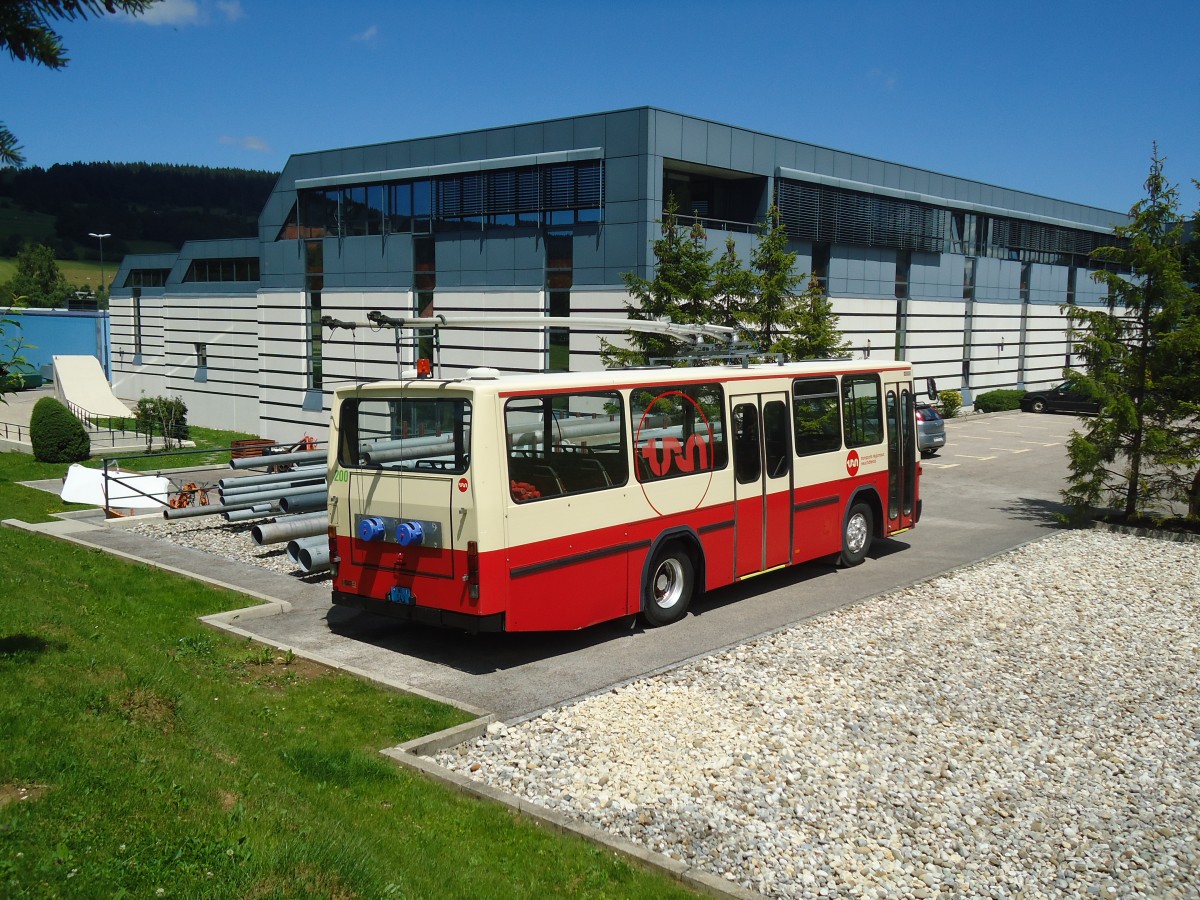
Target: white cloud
171, 12
247, 142
190, 12
232, 9
886, 80
367, 36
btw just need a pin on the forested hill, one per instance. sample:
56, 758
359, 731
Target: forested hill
144, 206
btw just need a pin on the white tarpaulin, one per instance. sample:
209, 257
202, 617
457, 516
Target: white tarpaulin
80, 382
126, 490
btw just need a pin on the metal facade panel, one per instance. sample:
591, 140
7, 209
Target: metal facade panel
559, 135
621, 243
695, 141
473, 145
621, 181
374, 157
590, 131
720, 142
741, 152
399, 156
765, 158
623, 132
500, 142
528, 139
443, 149
668, 135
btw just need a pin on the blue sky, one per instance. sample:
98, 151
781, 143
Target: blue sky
1058, 97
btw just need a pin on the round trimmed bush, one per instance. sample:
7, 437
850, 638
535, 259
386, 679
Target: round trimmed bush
56, 435
999, 400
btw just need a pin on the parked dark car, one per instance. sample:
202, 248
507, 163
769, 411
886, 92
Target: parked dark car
1059, 399
931, 430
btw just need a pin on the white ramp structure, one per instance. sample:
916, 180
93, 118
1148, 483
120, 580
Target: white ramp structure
80, 383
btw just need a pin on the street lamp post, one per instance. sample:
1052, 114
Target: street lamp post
100, 238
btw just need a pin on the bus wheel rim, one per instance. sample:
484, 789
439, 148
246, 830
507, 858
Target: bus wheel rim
668, 583
856, 534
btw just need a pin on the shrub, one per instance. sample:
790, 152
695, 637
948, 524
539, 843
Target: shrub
162, 415
56, 435
999, 401
951, 403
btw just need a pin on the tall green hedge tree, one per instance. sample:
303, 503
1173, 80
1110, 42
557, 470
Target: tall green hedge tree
1142, 363
680, 290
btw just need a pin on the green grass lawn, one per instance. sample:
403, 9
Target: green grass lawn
142, 754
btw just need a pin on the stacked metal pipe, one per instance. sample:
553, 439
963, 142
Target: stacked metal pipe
301, 494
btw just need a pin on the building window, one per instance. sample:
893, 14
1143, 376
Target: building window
559, 279
547, 195
820, 266
144, 278
201, 362
969, 278
241, 268
314, 282
424, 285
137, 323
1026, 278
903, 271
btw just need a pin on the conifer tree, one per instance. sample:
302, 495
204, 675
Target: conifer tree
800, 326
1142, 363
681, 290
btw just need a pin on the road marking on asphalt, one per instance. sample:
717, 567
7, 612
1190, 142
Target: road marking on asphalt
981, 458
1006, 450
998, 431
1040, 444
941, 465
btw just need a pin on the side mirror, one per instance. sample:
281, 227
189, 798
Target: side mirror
931, 388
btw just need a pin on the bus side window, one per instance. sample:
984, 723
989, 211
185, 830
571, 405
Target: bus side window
816, 422
562, 444
862, 410
678, 430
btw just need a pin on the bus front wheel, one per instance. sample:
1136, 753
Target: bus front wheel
669, 586
856, 535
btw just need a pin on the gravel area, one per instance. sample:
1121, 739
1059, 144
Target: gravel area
230, 540
1026, 727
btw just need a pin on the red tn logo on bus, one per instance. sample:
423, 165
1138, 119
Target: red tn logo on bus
852, 463
663, 455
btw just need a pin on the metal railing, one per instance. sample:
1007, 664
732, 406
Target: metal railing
13, 431
108, 433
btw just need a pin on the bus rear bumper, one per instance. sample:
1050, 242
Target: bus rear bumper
426, 615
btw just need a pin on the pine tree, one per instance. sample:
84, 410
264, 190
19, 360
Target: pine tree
1142, 363
800, 326
733, 288
681, 290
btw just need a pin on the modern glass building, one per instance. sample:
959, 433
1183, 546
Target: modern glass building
964, 279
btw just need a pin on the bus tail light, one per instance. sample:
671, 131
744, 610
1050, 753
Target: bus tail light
473, 569
333, 557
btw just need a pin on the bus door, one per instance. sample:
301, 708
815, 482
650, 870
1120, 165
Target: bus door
762, 465
902, 456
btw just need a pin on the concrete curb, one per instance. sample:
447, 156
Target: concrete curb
695, 878
1178, 537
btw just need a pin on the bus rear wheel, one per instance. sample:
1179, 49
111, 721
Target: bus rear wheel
856, 535
669, 586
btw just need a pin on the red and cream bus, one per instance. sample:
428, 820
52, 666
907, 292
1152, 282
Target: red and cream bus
555, 501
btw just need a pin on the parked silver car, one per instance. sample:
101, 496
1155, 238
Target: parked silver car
931, 430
